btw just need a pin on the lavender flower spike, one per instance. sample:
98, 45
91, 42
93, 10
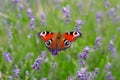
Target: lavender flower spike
78, 25
16, 72
99, 16
112, 49
109, 76
107, 4
43, 19
36, 64
7, 56
66, 11
82, 74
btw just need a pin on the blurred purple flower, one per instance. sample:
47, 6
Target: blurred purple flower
39, 60
82, 74
96, 70
94, 74
83, 56
97, 42
16, 72
7, 56
16, 1
28, 55
80, 6
112, 13
37, 63
107, 67
70, 78
32, 24
92, 7
82, 62
109, 76
19, 16
30, 13
43, 54
107, 3
21, 7
43, 19
99, 16
43, 79
9, 35
78, 25
112, 49
66, 10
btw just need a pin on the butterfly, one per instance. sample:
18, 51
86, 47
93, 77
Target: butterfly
56, 42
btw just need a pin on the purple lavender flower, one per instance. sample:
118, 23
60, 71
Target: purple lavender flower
43, 19
112, 49
83, 56
9, 35
112, 13
70, 78
66, 11
32, 24
7, 56
82, 74
16, 1
92, 7
16, 72
109, 76
39, 60
78, 25
43, 54
37, 63
30, 13
82, 62
96, 70
19, 16
107, 67
43, 79
97, 42
21, 7
107, 4
94, 74
99, 16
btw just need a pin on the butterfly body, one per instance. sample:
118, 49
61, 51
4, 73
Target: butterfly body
57, 42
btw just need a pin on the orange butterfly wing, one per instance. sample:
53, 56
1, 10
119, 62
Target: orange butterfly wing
56, 42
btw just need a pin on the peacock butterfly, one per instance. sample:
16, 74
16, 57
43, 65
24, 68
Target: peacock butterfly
56, 42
